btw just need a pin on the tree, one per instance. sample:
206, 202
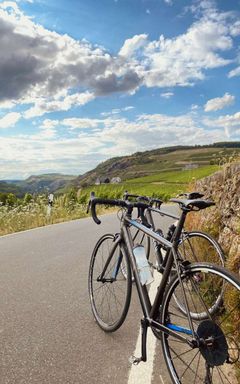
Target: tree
72, 195
11, 199
27, 198
3, 198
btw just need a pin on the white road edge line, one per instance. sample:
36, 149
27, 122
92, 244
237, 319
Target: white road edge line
142, 373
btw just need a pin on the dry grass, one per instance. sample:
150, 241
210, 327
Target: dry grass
35, 214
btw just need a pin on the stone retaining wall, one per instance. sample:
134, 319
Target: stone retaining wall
223, 220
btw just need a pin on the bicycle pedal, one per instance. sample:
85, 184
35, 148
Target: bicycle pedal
135, 360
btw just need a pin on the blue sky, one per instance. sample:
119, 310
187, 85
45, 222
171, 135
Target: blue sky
83, 81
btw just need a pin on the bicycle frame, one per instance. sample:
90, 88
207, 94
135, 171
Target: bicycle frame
151, 311
184, 235
160, 260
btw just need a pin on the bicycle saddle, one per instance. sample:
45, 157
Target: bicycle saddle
193, 204
191, 195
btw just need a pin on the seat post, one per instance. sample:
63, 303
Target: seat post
180, 225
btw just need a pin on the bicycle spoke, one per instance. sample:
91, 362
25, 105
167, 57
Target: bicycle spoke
195, 377
188, 365
229, 314
202, 365
223, 374
110, 297
183, 353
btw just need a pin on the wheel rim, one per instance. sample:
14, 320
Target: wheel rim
198, 247
109, 295
188, 365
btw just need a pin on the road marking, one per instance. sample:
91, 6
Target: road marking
142, 373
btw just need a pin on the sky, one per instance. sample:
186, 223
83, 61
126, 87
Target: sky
84, 81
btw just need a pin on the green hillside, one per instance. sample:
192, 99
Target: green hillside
163, 185
176, 177
6, 187
159, 161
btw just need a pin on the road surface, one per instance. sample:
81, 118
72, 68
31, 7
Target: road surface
47, 331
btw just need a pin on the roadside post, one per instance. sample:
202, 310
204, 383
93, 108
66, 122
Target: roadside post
50, 204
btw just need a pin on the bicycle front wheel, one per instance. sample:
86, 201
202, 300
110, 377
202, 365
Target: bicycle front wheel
109, 289
214, 358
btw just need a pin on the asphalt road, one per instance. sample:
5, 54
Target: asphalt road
47, 331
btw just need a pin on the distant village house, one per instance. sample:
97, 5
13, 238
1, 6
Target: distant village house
190, 166
116, 180
106, 180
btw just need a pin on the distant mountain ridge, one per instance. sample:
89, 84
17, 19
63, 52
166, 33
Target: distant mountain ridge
50, 182
126, 167
9, 187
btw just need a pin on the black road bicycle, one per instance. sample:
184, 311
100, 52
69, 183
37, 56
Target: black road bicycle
201, 344
193, 245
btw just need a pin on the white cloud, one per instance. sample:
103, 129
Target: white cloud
56, 72
9, 120
117, 111
86, 148
234, 72
167, 95
130, 46
43, 106
219, 103
230, 123
45, 134
6, 104
194, 107
182, 60
235, 28
10, 4
47, 64
48, 124
78, 123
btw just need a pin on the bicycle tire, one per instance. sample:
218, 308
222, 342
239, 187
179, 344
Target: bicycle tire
201, 247
198, 246
110, 299
216, 358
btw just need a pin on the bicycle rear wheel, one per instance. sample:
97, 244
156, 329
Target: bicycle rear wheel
215, 357
109, 290
199, 247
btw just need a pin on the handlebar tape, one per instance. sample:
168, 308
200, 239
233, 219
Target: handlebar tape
113, 202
